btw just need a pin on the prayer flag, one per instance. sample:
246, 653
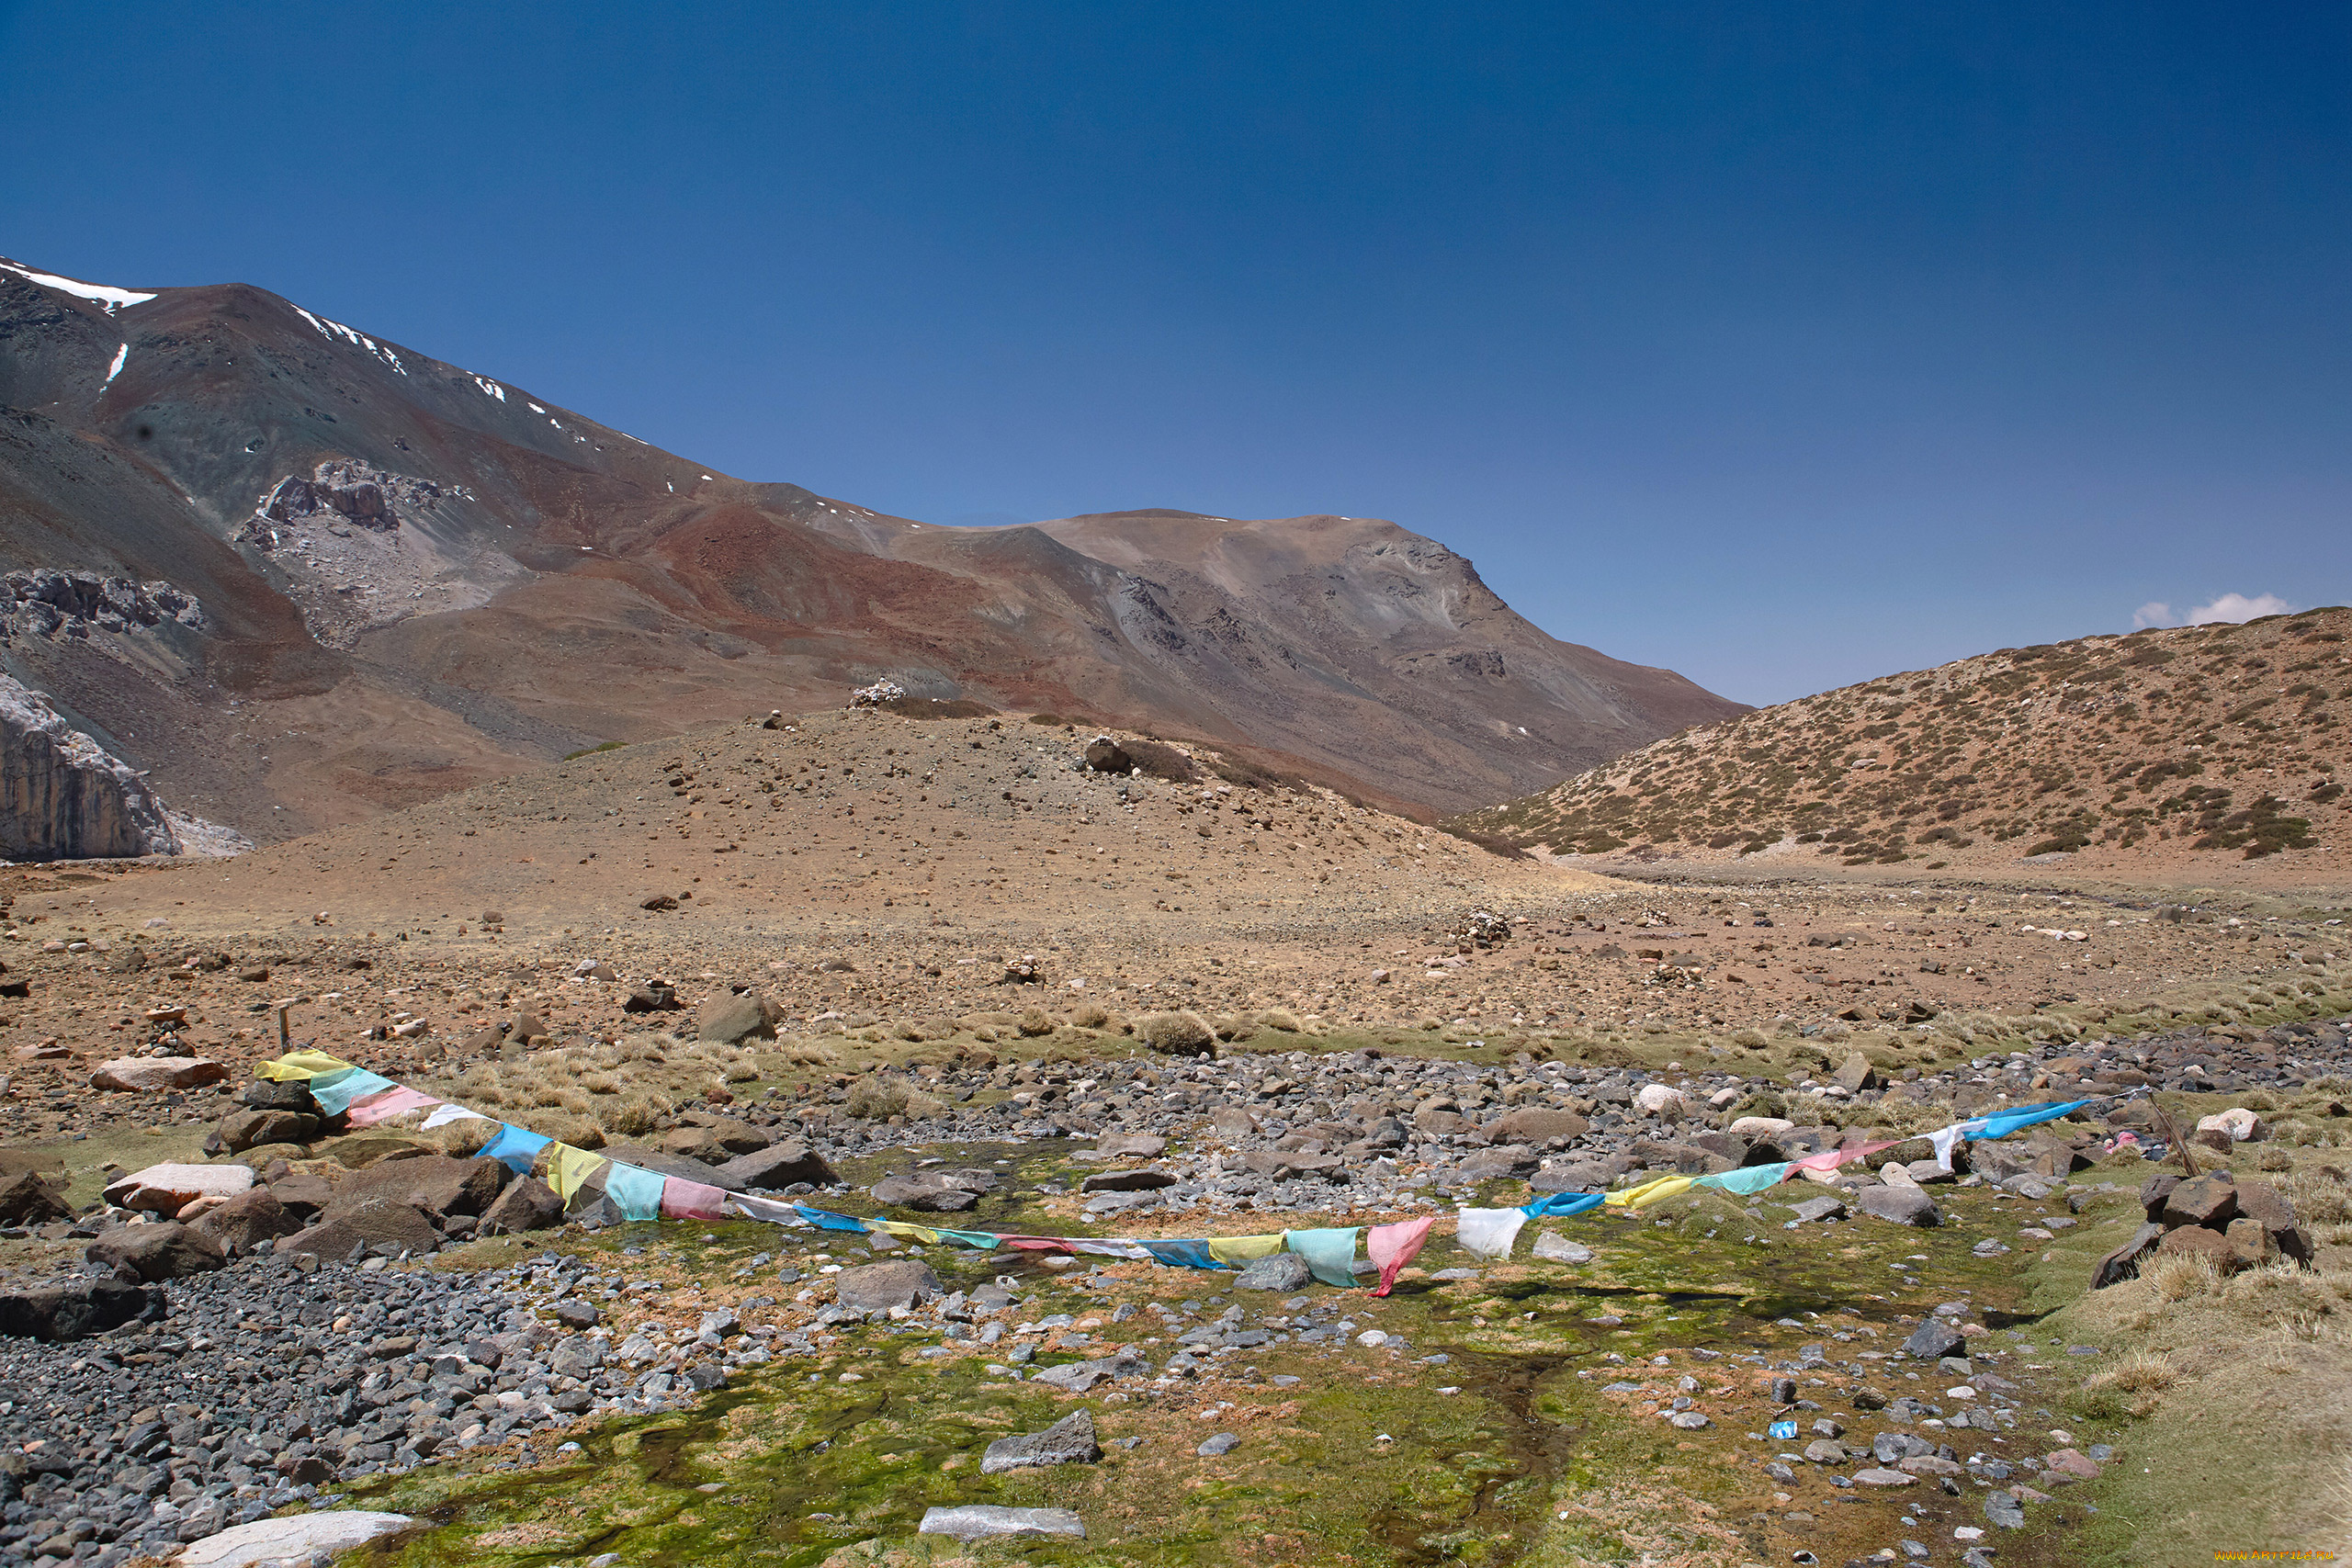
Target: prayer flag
1391, 1247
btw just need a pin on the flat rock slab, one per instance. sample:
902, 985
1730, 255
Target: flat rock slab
1077, 1377
878, 1287
168, 1189
1883, 1478
1903, 1205
156, 1075
272, 1540
1132, 1146
1812, 1209
1554, 1248
1070, 1440
973, 1520
1126, 1181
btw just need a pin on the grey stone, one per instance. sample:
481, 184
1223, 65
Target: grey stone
528, 1205
2002, 1508
69, 1309
1277, 1272
1554, 1248
1902, 1205
877, 1287
1132, 1146
169, 1251
1126, 1181
1223, 1443
778, 1165
1934, 1339
1070, 1440
1812, 1210
1077, 1377
970, 1521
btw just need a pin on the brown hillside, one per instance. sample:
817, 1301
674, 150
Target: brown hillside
2155, 756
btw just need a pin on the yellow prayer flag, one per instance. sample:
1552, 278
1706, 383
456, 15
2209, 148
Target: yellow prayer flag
1244, 1248
301, 1065
1650, 1192
567, 1167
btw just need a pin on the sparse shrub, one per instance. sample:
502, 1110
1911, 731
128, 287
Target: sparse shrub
1282, 1019
1838, 1030
1751, 1039
1035, 1023
1093, 1015
2274, 1158
565, 1127
876, 1097
1180, 1034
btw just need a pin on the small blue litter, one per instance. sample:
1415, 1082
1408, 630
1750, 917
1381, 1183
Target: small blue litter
1784, 1429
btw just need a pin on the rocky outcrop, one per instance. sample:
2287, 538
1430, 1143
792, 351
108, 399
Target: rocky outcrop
46, 602
353, 491
63, 796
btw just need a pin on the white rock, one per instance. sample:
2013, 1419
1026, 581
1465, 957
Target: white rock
1758, 1127
1656, 1097
1371, 1338
1894, 1173
154, 1074
1557, 1248
267, 1541
975, 1520
2243, 1126
168, 1189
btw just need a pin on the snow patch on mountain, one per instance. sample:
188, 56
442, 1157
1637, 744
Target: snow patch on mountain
96, 293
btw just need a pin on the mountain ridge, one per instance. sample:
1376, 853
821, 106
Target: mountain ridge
425, 577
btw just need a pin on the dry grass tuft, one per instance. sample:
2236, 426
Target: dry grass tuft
877, 1097
2179, 1278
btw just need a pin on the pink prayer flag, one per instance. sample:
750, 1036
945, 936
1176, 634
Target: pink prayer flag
683, 1200
1830, 1159
1037, 1243
1390, 1247
385, 1104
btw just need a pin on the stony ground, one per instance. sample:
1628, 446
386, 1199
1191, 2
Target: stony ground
1389, 1024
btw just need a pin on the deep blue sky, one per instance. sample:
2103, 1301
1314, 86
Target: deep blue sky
1784, 345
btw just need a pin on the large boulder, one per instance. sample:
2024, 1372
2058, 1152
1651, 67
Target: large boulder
157, 1075
383, 1227
528, 1205
168, 1189
302, 1195
2260, 1201
2123, 1263
1903, 1205
2208, 1201
732, 1133
271, 1094
169, 1251
240, 1223
63, 796
435, 1183
72, 1308
244, 1129
929, 1192
665, 1162
2196, 1241
28, 1200
298, 1538
878, 1287
1494, 1164
1538, 1125
778, 1165
729, 1020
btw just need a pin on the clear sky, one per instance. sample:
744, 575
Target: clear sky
1785, 345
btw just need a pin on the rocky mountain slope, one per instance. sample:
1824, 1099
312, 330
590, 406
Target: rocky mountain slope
2159, 755
308, 574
